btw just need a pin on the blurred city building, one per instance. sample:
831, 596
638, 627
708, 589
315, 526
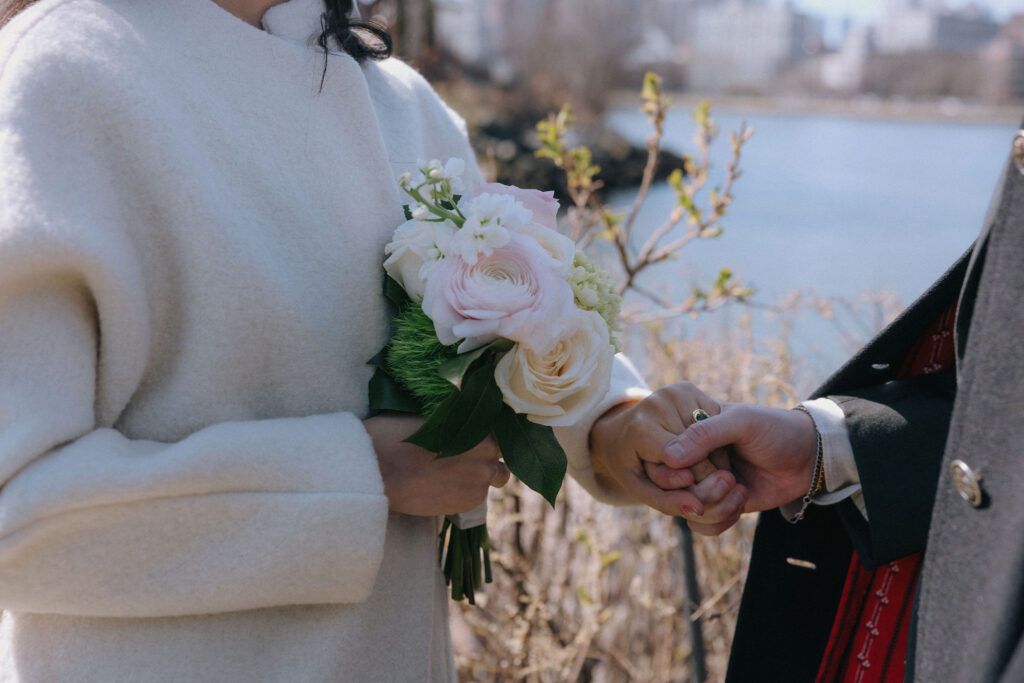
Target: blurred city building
1004, 63
843, 70
927, 26
741, 44
913, 49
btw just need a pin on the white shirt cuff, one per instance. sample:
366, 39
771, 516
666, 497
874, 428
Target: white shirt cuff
842, 480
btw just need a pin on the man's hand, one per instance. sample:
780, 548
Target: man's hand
772, 454
628, 445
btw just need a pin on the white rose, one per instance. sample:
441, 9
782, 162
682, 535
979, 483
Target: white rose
558, 387
415, 248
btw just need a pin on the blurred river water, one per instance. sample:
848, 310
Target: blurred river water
843, 206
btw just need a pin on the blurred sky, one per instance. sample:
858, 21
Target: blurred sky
835, 11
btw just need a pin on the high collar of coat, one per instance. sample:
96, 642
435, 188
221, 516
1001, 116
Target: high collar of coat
297, 20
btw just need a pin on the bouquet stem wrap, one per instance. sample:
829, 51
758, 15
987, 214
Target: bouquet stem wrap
464, 552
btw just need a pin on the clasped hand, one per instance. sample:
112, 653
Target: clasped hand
744, 458
628, 446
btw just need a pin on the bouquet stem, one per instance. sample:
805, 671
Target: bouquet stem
465, 557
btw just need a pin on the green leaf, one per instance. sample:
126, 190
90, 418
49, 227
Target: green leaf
463, 419
407, 211
474, 412
455, 369
387, 394
380, 360
430, 435
531, 452
395, 294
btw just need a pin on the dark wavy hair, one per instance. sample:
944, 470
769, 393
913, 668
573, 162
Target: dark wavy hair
8, 8
338, 28
338, 31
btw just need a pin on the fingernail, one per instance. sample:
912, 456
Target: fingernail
690, 510
721, 488
675, 453
737, 498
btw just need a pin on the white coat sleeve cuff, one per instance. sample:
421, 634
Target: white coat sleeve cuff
626, 385
236, 516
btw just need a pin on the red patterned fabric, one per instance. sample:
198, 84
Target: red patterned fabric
868, 643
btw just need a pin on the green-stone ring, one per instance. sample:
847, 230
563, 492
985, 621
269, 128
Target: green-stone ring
698, 415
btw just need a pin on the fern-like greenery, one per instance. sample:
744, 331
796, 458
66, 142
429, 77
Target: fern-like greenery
415, 354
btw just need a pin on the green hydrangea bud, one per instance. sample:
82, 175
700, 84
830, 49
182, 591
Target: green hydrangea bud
595, 291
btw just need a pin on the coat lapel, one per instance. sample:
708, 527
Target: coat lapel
977, 259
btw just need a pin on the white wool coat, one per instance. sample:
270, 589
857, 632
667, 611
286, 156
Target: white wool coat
191, 238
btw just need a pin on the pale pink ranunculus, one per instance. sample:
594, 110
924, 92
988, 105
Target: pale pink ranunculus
543, 205
518, 292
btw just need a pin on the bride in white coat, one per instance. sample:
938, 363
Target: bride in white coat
193, 211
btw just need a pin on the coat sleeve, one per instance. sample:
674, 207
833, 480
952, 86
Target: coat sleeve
94, 522
626, 385
235, 516
898, 433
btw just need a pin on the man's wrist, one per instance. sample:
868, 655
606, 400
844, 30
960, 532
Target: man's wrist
817, 478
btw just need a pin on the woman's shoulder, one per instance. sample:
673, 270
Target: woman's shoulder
66, 40
405, 83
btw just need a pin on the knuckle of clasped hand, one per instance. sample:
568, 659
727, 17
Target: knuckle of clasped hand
698, 434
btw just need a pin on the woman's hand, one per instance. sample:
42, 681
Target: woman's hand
628, 446
417, 482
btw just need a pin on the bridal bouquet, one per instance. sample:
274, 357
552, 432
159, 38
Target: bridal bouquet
501, 327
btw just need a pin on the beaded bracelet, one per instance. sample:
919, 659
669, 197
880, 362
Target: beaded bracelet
818, 478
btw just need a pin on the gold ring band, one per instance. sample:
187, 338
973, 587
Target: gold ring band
698, 415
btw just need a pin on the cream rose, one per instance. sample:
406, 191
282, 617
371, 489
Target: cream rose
559, 386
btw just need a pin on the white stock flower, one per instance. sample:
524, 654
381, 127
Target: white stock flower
497, 207
535, 215
475, 239
420, 212
560, 385
489, 217
454, 167
414, 250
433, 171
453, 170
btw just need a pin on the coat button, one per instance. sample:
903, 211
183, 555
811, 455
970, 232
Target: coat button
967, 483
1018, 150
